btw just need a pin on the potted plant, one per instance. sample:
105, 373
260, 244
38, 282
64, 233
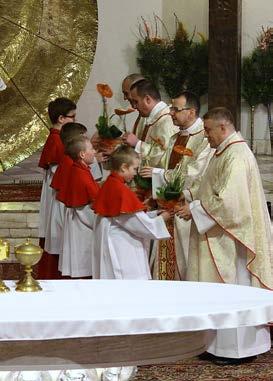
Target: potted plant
168, 196
108, 133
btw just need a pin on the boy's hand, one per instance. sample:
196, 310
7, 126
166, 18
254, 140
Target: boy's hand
101, 157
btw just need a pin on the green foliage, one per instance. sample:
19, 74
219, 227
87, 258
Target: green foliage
171, 191
149, 55
177, 64
105, 131
250, 81
257, 77
143, 182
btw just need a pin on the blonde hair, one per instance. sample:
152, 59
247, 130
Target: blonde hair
124, 154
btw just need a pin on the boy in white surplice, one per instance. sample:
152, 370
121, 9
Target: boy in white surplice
122, 229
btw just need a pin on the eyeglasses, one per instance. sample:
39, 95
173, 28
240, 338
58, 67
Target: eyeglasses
71, 116
176, 109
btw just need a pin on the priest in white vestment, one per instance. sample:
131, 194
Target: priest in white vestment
231, 240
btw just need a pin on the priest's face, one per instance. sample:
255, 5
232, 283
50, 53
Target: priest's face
144, 105
130, 170
180, 113
126, 84
214, 132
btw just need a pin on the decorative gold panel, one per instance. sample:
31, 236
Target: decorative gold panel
46, 51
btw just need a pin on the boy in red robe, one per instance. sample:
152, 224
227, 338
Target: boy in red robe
81, 190
60, 111
123, 230
54, 233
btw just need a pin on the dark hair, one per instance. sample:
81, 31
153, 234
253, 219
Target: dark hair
75, 146
124, 154
145, 87
58, 107
70, 130
192, 100
219, 113
133, 78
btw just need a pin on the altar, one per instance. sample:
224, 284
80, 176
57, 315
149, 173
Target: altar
103, 323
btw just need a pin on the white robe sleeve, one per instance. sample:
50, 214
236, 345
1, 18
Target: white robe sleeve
158, 180
138, 147
95, 169
143, 226
86, 215
202, 220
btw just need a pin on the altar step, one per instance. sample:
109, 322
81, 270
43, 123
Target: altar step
18, 221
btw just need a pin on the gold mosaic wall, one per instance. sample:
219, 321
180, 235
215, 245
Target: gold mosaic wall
46, 51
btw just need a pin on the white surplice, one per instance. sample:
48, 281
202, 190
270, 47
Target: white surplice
122, 244
76, 257
47, 196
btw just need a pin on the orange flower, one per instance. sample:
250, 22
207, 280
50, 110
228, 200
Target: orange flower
121, 111
104, 90
181, 150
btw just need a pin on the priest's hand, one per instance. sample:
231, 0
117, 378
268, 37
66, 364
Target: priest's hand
184, 212
130, 139
146, 172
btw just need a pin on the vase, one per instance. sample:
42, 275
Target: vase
168, 204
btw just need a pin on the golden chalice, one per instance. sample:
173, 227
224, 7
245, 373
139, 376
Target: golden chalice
28, 255
4, 254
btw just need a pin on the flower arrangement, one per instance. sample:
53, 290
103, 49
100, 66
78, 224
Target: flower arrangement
174, 63
168, 196
106, 130
257, 78
184, 151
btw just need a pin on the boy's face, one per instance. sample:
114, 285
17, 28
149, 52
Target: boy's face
88, 154
69, 117
129, 171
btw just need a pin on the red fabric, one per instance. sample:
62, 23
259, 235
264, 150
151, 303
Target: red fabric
61, 175
80, 188
53, 150
116, 198
47, 267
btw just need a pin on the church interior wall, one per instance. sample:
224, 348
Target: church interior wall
116, 50
115, 54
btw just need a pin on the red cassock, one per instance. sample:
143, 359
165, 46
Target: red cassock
62, 173
81, 188
116, 198
53, 150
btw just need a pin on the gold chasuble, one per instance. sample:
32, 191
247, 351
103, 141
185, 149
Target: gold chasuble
231, 193
155, 137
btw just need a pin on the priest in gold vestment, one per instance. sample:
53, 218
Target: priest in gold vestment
153, 131
231, 240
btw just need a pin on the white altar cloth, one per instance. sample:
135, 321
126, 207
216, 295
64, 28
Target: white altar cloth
92, 308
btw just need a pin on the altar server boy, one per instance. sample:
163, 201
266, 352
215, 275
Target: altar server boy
54, 232
60, 111
81, 190
122, 229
